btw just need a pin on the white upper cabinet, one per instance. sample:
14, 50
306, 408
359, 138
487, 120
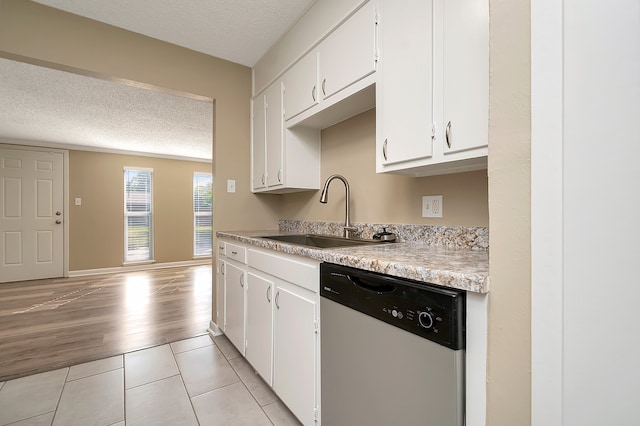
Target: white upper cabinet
283, 160
301, 86
258, 143
404, 105
274, 136
432, 92
466, 75
319, 87
349, 53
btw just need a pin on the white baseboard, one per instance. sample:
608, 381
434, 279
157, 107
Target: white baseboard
214, 330
139, 267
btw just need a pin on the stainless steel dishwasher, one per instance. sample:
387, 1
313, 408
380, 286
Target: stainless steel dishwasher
392, 350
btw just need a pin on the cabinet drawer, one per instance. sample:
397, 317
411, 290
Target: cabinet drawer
297, 270
235, 252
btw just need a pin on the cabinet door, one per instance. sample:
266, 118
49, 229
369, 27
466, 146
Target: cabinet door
259, 325
349, 53
301, 86
258, 142
466, 74
295, 353
273, 107
234, 304
405, 93
220, 294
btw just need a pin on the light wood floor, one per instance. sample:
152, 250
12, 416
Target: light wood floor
54, 323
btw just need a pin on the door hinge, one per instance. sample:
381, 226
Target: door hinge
433, 131
316, 326
315, 413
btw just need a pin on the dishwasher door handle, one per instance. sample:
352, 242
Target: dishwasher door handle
371, 286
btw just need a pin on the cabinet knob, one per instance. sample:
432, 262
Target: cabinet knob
447, 134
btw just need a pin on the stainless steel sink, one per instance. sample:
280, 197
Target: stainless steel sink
320, 241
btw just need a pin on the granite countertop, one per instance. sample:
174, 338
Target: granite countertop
456, 268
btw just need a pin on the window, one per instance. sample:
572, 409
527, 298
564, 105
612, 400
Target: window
138, 214
202, 221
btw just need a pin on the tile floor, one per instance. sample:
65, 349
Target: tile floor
191, 382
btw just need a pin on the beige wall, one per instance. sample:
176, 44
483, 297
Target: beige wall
96, 228
509, 370
348, 148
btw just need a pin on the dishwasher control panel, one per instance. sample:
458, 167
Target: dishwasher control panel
429, 311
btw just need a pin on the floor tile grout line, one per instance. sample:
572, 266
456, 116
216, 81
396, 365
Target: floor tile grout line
184, 385
64, 384
251, 393
96, 374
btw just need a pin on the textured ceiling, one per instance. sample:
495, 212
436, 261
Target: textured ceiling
240, 31
62, 108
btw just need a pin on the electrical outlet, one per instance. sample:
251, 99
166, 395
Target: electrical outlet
432, 206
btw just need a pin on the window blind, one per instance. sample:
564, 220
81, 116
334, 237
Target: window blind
138, 211
202, 219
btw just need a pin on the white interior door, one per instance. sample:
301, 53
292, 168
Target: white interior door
31, 215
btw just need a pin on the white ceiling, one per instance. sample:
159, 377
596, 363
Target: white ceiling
64, 109
240, 31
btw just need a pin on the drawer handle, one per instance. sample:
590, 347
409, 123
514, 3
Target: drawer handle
384, 150
269, 294
235, 253
277, 298
447, 134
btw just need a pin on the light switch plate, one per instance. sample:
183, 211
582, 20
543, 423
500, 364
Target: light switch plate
432, 206
78, 201
231, 185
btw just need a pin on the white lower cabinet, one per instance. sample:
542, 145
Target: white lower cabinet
220, 294
234, 304
271, 315
296, 351
259, 341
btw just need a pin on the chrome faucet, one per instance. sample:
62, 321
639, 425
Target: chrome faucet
348, 227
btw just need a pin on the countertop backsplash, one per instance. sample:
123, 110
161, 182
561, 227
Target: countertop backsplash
469, 237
